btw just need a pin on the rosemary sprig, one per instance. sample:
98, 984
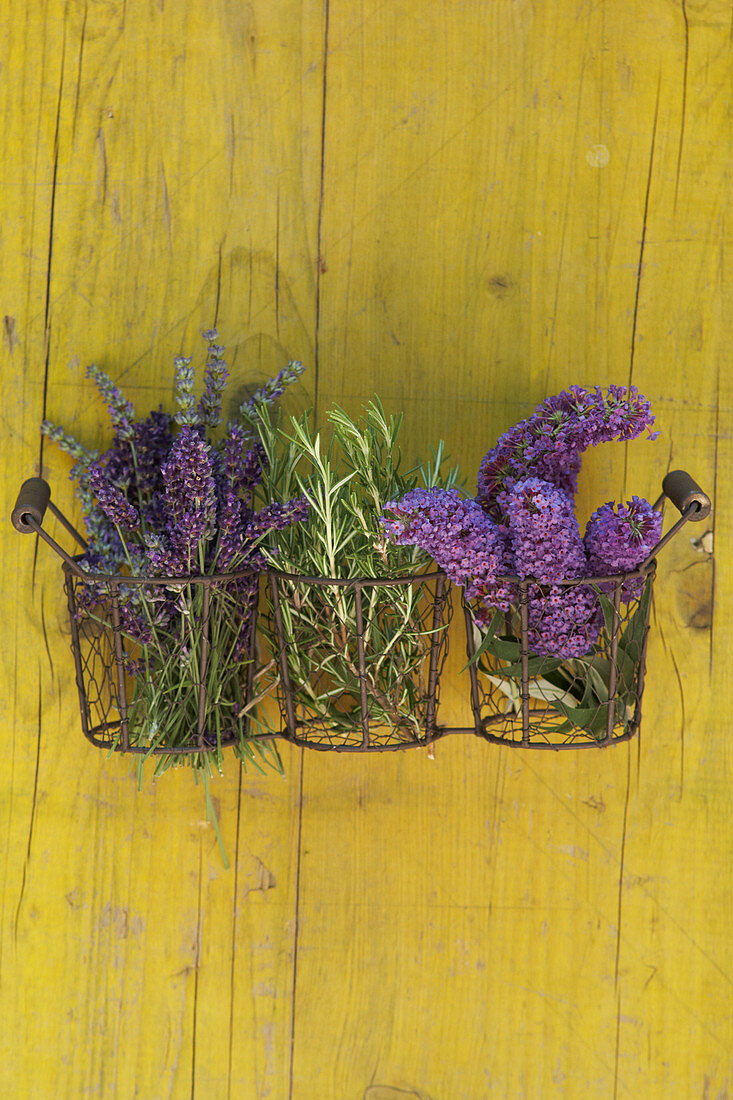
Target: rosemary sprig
347, 481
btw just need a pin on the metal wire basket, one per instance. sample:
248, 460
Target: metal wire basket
369, 681
359, 659
164, 666
528, 699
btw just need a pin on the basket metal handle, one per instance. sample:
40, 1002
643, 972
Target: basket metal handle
688, 498
683, 491
34, 497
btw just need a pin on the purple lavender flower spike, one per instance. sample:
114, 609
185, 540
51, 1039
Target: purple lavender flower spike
243, 461
153, 440
276, 516
461, 538
184, 379
273, 388
619, 537
113, 503
549, 444
121, 411
215, 380
190, 498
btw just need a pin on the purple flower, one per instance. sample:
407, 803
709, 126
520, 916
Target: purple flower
543, 531
184, 379
111, 500
461, 538
215, 380
563, 620
276, 516
135, 464
272, 389
190, 499
242, 461
121, 411
549, 444
152, 443
619, 537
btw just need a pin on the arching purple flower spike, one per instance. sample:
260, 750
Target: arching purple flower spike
549, 444
462, 539
121, 412
272, 389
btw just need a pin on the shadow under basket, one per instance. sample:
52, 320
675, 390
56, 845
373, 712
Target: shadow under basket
359, 659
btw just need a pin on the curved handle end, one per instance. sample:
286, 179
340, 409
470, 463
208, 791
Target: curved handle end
33, 498
683, 491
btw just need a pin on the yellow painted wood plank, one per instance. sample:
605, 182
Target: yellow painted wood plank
515, 197
163, 193
581, 965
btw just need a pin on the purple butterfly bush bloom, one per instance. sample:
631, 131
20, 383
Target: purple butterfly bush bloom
619, 537
543, 531
523, 523
549, 444
457, 533
563, 620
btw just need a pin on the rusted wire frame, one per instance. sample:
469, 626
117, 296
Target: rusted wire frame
94, 734
291, 731
647, 570
615, 626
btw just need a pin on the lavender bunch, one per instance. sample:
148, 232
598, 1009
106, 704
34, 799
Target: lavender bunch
169, 499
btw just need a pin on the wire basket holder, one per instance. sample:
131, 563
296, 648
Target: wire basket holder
375, 686
534, 700
528, 699
108, 663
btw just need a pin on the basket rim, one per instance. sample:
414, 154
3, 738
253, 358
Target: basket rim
187, 578
405, 579
647, 570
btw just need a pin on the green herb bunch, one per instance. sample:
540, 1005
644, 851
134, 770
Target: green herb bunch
346, 482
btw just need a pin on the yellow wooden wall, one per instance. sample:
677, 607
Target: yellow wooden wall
465, 205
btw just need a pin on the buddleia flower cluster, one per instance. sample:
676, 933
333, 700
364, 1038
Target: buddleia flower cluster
522, 522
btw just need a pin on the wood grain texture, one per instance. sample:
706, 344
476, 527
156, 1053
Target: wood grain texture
464, 207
